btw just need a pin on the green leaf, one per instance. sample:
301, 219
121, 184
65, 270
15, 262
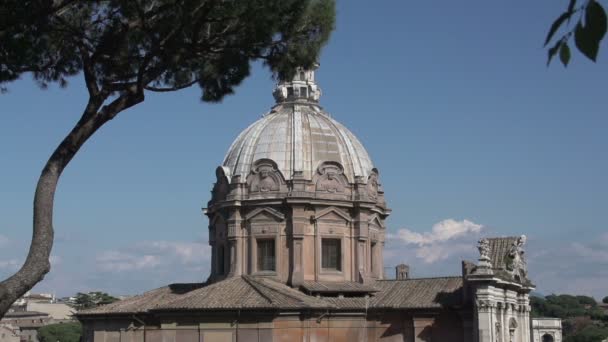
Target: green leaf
552, 51
564, 53
588, 37
556, 24
595, 20
585, 42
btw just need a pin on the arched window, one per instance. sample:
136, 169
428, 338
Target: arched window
548, 338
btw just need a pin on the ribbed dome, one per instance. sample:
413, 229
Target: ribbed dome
298, 135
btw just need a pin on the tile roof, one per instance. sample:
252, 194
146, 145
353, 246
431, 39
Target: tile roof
499, 251
245, 293
419, 293
20, 314
337, 287
257, 293
233, 293
144, 302
500, 248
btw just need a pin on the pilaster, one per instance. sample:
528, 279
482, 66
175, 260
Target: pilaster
300, 221
235, 242
361, 234
485, 308
423, 329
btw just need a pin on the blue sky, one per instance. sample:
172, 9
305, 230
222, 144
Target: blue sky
468, 127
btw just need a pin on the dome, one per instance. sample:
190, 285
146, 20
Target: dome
293, 185
298, 136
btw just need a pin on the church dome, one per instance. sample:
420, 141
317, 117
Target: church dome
298, 135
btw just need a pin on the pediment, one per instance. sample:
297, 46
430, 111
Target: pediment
333, 213
265, 214
375, 220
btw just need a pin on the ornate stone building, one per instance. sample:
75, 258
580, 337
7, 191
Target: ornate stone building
297, 231
297, 198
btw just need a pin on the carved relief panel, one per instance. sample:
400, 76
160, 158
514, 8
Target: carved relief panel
329, 182
330, 178
264, 177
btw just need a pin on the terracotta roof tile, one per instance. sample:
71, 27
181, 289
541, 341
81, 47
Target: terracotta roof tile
499, 251
144, 302
419, 293
337, 287
249, 292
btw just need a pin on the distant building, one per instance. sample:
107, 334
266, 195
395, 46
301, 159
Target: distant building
297, 231
57, 311
27, 322
546, 330
33, 311
9, 333
29, 298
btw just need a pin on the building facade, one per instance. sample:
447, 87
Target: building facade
9, 333
297, 230
546, 330
31, 312
25, 324
297, 198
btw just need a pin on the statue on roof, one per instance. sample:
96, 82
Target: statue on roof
516, 263
483, 245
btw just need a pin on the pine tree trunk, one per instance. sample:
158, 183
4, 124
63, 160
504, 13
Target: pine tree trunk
37, 263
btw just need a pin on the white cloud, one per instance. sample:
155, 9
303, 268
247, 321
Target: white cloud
11, 264
447, 238
14, 264
3, 240
439, 252
186, 252
597, 254
115, 261
55, 260
151, 255
573, 267
441, 232
604, 239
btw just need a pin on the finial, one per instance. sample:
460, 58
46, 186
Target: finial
301, 88
484, 265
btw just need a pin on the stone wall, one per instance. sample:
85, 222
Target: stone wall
298, 230
386, 327
9, 333
502, 313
